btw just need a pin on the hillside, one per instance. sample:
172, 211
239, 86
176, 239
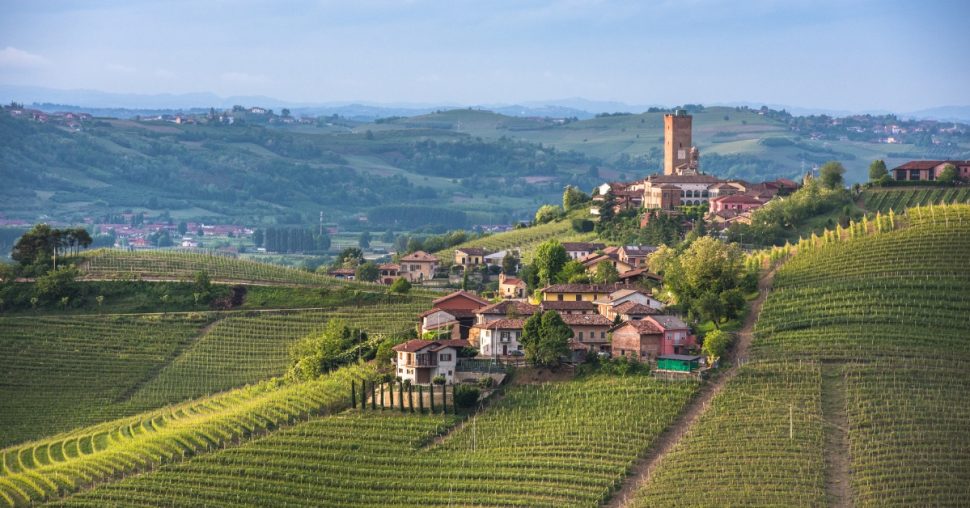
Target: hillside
856, 390
442, 168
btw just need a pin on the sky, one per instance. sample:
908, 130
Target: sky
840, 54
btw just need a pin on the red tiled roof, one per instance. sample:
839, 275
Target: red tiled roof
473, 251
643, 327
634, 308
502, 308
513, 281
505, 324
586, 320
464, 293
564, 305
415, 345
586, 288
419, 257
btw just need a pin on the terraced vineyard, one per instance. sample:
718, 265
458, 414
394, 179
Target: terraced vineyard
250, 347
67, 462
562, 444
57, 373
885, 319
883, 200
526, 239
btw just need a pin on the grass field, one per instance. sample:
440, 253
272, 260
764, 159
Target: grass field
878, 328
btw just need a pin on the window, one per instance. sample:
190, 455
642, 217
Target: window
561, 298
506, 336
602, 335
580, 335
520, 347
579, 298
444, 357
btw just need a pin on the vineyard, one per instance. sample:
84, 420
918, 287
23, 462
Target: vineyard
184, 265
563, 444
63, 372
883, 200
253, 346
894, 321
741, 452
51, 467
525, 240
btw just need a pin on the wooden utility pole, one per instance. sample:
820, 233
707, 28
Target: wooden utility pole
791, 422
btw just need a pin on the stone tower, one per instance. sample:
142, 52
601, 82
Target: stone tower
677, 142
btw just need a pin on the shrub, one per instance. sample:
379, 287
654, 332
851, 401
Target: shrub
438, 380
466, 396
400, 286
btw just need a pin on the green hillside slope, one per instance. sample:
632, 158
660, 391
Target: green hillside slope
857, 391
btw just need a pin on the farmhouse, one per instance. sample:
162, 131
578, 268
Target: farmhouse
640, 340
930, 170
635, 255
342, 273
607, 305
418, 266
676, 334
419, 361
441, 322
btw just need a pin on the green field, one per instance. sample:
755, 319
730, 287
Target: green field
878, 328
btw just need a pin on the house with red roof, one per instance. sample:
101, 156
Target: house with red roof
501, 337
418, 266
419, 361
511, 287
930, 170
651, 337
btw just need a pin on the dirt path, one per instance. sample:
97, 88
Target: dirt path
838, 476
646, 465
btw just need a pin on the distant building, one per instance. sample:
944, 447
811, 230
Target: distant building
930, 170
470, 257
418, 266
680, 156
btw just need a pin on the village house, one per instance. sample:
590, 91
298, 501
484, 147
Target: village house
496, 258
389, 272
635, 256
736, 202
579, 250
418, 266
930, 170
590, 330
440, 322
611, 256
420, 361
579, 292
511, 287
342, 273
568, 307
606, 305
638, 275
461, 306
652, 337
632, 311
501, 338
470, 257
502, 310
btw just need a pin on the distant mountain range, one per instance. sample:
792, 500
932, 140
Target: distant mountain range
128, 104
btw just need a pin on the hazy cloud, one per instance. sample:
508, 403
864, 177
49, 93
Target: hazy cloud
18, 58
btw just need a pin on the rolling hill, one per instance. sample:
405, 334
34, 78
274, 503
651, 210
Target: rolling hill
442, 168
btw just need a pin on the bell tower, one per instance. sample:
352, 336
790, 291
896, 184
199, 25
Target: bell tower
677, 141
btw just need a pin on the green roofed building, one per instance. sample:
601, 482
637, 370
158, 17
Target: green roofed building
679, 363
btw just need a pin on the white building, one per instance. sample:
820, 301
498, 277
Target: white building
420, 361
501, 337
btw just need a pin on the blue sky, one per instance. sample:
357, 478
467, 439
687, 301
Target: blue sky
845, 54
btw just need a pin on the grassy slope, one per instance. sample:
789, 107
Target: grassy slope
865, 341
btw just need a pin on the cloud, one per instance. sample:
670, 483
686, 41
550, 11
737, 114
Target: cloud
244, 78
116, 67
18, 58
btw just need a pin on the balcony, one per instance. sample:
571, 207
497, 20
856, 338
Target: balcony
420, 361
